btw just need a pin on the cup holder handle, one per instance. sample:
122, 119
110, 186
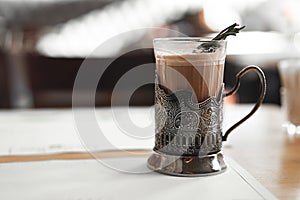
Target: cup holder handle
263, 87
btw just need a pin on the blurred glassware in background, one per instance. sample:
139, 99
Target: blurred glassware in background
290, 77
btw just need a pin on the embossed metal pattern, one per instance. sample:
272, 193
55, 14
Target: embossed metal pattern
184, 127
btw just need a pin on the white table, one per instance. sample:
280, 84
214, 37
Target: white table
54, 134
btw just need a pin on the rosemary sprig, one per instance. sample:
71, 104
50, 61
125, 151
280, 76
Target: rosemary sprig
230, 30
212, 46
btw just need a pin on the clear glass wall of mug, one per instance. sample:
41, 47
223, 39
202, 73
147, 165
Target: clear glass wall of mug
181, 65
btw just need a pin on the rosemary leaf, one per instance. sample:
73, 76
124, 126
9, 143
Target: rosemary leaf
230, 30
212, 46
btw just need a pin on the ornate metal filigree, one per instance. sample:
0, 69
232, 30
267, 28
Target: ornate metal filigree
184, 127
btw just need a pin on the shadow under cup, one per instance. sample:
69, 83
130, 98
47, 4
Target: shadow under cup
289, 71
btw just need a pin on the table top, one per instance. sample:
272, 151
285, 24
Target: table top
271, 155
260, 145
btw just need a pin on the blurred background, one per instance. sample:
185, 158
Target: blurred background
44, 42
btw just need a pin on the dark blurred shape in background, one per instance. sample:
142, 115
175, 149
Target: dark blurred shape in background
43, 43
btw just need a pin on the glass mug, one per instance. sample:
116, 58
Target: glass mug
189, 93
289, 71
